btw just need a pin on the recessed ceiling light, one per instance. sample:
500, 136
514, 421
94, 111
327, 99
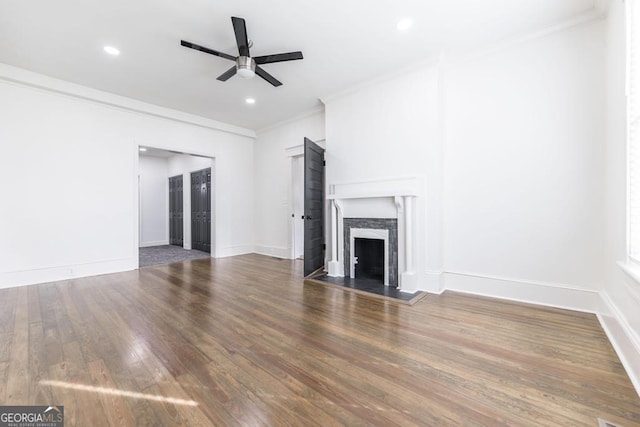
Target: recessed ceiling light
143, 149
250, 101
404, 24
112, 50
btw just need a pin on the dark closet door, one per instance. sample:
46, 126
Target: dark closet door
313, 207
201, 210
176, 225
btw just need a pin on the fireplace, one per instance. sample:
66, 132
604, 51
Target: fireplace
371, 232
368, 259
376, 210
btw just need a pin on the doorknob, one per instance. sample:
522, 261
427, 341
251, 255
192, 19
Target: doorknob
309, 217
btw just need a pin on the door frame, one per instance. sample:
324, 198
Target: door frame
136, 201
293, 152
292, 225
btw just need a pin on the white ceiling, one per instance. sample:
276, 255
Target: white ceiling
344, 42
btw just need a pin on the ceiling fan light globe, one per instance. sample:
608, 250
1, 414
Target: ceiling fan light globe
246, 73
246, 67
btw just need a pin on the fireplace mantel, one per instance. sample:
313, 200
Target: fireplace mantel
398, 187
403, 191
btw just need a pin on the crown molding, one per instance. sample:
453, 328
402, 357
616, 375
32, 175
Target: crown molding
22, 77
312, 112
596, 13
447, 59
428, 63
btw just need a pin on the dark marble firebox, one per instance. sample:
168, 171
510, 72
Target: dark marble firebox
390, 224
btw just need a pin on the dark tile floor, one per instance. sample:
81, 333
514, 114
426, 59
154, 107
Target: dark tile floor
368, 285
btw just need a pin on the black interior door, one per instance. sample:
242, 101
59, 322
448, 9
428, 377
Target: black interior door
313, 207
201, 210
175, 211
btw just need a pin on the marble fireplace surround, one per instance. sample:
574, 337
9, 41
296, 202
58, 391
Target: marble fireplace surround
403, 193
385, 229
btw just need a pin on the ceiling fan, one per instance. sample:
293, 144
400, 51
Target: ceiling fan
246, 66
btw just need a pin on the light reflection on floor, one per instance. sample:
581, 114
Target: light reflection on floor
116, 392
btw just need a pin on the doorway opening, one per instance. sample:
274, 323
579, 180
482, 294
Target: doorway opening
307, 204
175, 224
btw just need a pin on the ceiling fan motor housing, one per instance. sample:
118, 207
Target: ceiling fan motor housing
246, 66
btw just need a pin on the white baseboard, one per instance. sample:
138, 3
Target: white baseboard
54, 274
433, 282
408, 282
551, 295
154, 243
234, 250
625, 342
278, 252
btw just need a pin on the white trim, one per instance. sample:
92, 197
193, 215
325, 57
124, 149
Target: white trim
273, 251
633, 272
621, 336
65, 272
392, 187
298, 150
632, 103
154, 243
551, 295
598, 12
314, 111
434, 282
22, 77
230, 251
415, 66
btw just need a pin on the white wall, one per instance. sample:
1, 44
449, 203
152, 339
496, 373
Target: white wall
74, 212
523, 183
520, 133
387, 130
273, 179
154, 201
620, 313
184, 164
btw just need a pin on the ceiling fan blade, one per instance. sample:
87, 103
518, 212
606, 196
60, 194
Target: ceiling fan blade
227, 74
240, 29
207, 50
268, 77
279, 57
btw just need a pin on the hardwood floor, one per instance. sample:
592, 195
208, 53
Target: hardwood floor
241, 341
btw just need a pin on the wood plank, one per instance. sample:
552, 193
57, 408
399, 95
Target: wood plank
4, 368
18, 376
115, 407
88, 408
38, 367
